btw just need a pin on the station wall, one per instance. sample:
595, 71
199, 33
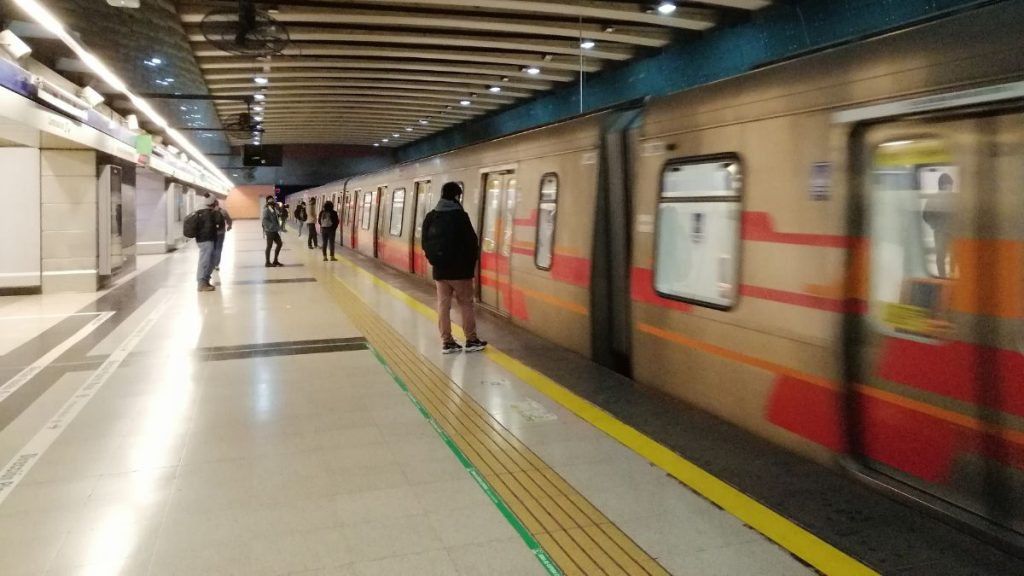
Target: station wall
19, 240
245, 201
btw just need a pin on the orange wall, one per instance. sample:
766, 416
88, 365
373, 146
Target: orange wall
246, 201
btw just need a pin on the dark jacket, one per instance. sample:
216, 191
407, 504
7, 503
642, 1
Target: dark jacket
335, 220
455, 222
210, 226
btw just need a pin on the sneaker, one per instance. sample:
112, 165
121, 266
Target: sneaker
451, 348
325, 258
276, 264
475, 345
333, 259
204, 287
268, 265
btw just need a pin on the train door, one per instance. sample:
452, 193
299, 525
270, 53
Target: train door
499, 206
353, 228
424, 200
379, 227
938, 384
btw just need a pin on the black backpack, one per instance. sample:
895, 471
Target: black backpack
190, 227
438, 240
300, 213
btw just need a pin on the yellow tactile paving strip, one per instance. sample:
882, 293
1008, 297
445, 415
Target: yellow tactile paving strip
579, 538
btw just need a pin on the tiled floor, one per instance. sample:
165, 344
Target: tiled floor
313, 463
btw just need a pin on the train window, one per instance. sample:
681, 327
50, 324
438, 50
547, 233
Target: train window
397, 211
367, 208
915, 192
546, 221
698, 231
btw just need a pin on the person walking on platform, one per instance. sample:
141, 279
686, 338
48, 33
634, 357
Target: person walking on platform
219, 246
271, 221
328, 220
301, 216
452, 248
311, 242
209, 224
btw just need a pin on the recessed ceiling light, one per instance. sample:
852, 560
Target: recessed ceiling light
259, 96
153, 62
666, 8
376, 144
260, 80
383, 139
396, 135
495, 89
169, 80
258, 118
587, 44
465, 102
424, 121
184, 107
258, 108
407, 129
532, 70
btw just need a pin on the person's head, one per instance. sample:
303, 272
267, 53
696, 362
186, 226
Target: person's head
270, 200
945, 183
328, 205
451, 191
211, 201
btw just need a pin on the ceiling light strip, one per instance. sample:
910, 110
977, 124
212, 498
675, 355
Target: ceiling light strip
48, 21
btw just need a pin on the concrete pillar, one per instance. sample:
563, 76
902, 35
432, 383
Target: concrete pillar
20, 270
151, 212
176, 213
68, 223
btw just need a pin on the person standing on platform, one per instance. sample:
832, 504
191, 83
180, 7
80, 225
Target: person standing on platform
219, 247
452, 248
283, 210
210, 224
311, 242
328, 220
301, 216
271, 221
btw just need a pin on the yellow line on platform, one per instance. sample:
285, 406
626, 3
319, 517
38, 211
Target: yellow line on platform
802, 543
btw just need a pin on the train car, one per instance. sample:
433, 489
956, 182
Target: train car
828, 252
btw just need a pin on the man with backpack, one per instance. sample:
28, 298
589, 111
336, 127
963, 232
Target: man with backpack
452, 248
328, 220
204, 225
301, 216
271, 221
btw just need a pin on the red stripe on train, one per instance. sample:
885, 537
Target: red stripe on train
758, 227
951, 368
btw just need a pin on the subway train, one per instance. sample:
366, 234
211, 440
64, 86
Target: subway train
827, 251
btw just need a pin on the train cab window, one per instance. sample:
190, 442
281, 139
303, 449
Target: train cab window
697, 240
397, 211
366, 210
546, 221
915, 192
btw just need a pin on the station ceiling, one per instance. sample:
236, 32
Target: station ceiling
387, 72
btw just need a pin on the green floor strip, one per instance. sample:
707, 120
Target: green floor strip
531, 542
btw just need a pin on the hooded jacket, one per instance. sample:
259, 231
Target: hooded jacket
454, 222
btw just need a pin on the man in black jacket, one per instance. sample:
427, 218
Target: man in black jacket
211, 224
452, 248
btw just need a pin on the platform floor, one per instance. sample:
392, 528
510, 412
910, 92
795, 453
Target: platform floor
301, 420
